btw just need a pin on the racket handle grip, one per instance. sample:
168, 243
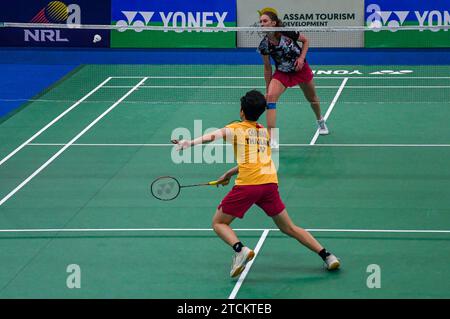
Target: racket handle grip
213, 183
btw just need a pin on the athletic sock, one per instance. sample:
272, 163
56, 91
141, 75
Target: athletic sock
237, 247
324, 254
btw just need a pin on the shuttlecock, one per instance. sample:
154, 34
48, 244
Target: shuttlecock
97, 38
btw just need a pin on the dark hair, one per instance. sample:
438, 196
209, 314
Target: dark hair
253, 104
273, 16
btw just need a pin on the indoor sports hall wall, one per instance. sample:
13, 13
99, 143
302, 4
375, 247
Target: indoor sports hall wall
241, 13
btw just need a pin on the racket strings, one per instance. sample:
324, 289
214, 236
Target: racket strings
165, 188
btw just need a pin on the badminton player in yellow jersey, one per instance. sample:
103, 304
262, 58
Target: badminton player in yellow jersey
256, 183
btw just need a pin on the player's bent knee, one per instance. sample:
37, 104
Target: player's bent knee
270, 97
288, 230
216, 225
216, 218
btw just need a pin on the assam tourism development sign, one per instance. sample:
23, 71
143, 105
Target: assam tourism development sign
306, 13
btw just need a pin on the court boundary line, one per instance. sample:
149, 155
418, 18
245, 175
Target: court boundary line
229, 145
262, 78
263, 87
203, 103
326, 230
56, 119
241, 279
330, 109
56, 155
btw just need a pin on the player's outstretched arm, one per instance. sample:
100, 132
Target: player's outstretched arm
207, 138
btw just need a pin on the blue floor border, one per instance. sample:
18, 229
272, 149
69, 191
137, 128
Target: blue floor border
316, 56
20, 82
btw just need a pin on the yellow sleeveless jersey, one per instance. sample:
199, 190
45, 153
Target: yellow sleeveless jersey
251, 142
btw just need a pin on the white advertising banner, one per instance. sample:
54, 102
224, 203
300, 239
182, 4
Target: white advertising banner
306, 13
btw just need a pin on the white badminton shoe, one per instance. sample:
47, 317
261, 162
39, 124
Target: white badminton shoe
323, 129
240, 260
332, 263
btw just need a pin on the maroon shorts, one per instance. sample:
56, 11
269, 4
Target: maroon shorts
292, 79
242, 197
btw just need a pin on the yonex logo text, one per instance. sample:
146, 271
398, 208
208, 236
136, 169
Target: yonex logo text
395, 19
172, 19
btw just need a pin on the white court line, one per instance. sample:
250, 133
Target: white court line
53, 122
262, 78
29, 178
330, 108
105, 145
190, 77
397, 87
112, 230
263, 87
367, 145
205, 103
229, 145
249, 265
202, 87
110, 145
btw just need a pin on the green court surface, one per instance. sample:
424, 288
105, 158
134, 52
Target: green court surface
77, 161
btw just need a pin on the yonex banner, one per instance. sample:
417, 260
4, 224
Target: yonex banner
63, 12
388, 13
305, 13
180, 13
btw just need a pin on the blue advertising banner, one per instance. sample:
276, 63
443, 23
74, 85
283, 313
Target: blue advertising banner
174, 13
391, 14
62, 12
